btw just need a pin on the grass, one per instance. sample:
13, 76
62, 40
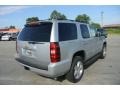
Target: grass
113, 31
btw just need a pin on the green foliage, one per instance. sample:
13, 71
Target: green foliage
83, 18
113, 31
32, 19
57, 15
95, 25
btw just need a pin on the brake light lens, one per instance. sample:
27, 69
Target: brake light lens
54, 52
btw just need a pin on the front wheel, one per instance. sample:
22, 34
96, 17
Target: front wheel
76, 72
103, 53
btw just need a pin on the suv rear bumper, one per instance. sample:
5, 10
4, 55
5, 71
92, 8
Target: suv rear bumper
54, 69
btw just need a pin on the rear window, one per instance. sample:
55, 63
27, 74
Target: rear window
40, 33
67, 31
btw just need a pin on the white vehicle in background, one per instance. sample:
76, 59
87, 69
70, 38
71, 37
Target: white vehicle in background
6, 37
9, 36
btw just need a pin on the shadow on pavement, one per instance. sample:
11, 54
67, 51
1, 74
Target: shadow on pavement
90, 63
62, 78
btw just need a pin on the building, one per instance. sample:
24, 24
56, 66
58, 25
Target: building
112, 26
7, 30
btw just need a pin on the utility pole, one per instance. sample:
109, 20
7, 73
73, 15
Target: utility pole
102, 18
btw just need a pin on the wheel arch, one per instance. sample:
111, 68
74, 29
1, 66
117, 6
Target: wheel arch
79, 53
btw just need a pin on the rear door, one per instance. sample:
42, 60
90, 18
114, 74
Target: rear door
67, 33
34, 43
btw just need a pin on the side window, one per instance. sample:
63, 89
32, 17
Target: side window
92, 31
84, 31
67, 31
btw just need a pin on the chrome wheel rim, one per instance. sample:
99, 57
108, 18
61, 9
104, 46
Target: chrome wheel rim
78, 70
104, 51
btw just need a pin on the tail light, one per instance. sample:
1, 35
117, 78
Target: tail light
54, 52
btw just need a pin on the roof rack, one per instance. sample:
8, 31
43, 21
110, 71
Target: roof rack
64, 19
38, 22
71, 20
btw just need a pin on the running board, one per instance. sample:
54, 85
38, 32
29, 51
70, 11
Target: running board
91, 60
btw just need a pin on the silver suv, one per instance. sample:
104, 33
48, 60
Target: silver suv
54, 48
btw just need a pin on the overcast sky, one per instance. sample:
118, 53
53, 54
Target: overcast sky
16, 15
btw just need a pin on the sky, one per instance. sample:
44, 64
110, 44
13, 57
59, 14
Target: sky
17, 15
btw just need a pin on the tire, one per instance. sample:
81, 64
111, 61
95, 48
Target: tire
76, 71
103, 53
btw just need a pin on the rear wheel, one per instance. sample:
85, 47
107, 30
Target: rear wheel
76, 72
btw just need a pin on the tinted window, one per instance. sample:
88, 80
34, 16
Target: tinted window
67, 31
92, 31
84, 31
40, 33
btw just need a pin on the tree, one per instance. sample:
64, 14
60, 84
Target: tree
12, 27
32, 19
57, 15
63, 17
95, 25
83, 18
